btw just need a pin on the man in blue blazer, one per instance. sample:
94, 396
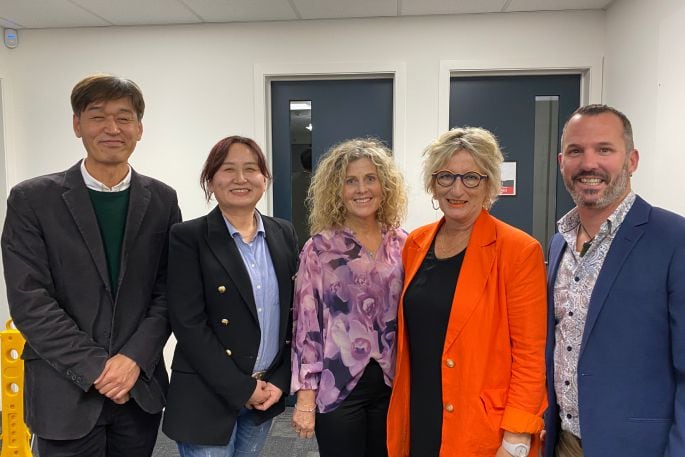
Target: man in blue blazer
85, 254
616, 324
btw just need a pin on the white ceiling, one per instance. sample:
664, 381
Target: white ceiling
34, 14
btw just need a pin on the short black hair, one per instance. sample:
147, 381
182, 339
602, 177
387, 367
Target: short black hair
103, 87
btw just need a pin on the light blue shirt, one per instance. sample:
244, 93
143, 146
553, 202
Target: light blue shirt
260, 267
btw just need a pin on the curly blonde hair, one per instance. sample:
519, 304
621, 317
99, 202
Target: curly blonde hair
324, 197
483, 147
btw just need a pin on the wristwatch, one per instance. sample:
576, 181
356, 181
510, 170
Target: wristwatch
517, 450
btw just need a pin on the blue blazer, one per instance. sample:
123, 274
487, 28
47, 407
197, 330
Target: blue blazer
631, 368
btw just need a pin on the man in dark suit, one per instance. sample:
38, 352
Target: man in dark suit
616, 324
84, 252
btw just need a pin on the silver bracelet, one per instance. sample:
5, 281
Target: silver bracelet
311, 410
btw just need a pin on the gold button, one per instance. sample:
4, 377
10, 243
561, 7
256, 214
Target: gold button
221, 289
224, 321
449, 363
228, 352
449, 408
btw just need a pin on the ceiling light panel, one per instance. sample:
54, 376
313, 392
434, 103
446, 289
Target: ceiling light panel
542, 5
333, 9
38, 14
428, 7
242, 10
140, 12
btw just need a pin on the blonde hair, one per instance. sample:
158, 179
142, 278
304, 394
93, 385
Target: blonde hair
483, 147
324, 197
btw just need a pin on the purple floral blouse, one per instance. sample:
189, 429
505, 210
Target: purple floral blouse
345, 312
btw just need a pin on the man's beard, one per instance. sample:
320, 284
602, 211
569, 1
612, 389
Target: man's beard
612, 192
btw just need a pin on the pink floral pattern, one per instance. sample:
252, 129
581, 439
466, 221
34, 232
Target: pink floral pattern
345, 312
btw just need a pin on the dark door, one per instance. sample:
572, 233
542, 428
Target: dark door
527, 114
307, 118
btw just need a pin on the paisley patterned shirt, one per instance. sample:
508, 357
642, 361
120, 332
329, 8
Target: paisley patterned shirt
572, 290
345, 312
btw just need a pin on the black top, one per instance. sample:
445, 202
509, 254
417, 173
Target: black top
427, 305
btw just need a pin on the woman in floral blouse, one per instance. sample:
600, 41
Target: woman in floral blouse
346, 295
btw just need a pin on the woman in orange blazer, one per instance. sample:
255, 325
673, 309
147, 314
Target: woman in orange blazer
470, 371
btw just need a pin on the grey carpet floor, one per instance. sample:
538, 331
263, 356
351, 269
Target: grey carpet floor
282, 442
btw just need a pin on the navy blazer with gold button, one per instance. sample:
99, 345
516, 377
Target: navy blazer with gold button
214, 318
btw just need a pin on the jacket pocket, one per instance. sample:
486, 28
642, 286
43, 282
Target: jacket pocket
493, 401
650, 419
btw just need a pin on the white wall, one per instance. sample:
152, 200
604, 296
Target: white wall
199, 86
5, 125
644, 69
199, 81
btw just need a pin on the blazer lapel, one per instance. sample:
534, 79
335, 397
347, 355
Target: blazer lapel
139, 200
629, 233
556, 250
278, 247
224, 249
473, 277
416, 249
79, 205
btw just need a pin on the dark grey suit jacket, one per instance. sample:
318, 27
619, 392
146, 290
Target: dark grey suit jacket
60, 297
214, 318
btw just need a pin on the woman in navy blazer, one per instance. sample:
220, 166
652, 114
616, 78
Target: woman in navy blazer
230, 292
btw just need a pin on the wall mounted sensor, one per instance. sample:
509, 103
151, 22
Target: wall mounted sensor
11, 38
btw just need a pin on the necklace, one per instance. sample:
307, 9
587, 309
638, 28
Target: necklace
588, 243
449, 244
369, 240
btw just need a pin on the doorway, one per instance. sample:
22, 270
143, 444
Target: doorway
307, 118
526, 114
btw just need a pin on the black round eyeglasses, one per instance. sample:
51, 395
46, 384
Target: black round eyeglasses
469, 179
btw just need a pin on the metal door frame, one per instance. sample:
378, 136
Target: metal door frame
264, 74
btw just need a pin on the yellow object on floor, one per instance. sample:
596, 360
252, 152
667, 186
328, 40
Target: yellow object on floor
15, 435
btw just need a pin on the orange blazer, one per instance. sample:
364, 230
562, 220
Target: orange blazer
493, 372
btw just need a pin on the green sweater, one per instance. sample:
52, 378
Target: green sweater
111, 209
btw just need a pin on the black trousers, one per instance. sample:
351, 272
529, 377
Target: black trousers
356, 428
120, 431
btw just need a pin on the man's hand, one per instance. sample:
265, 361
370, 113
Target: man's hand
117, 378
274, 395
259, 396
123, 400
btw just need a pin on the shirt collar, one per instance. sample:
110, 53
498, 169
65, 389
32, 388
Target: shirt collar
94, 184
571, 220
260, 224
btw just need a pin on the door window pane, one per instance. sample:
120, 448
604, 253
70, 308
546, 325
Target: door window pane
300, 164
546, 146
